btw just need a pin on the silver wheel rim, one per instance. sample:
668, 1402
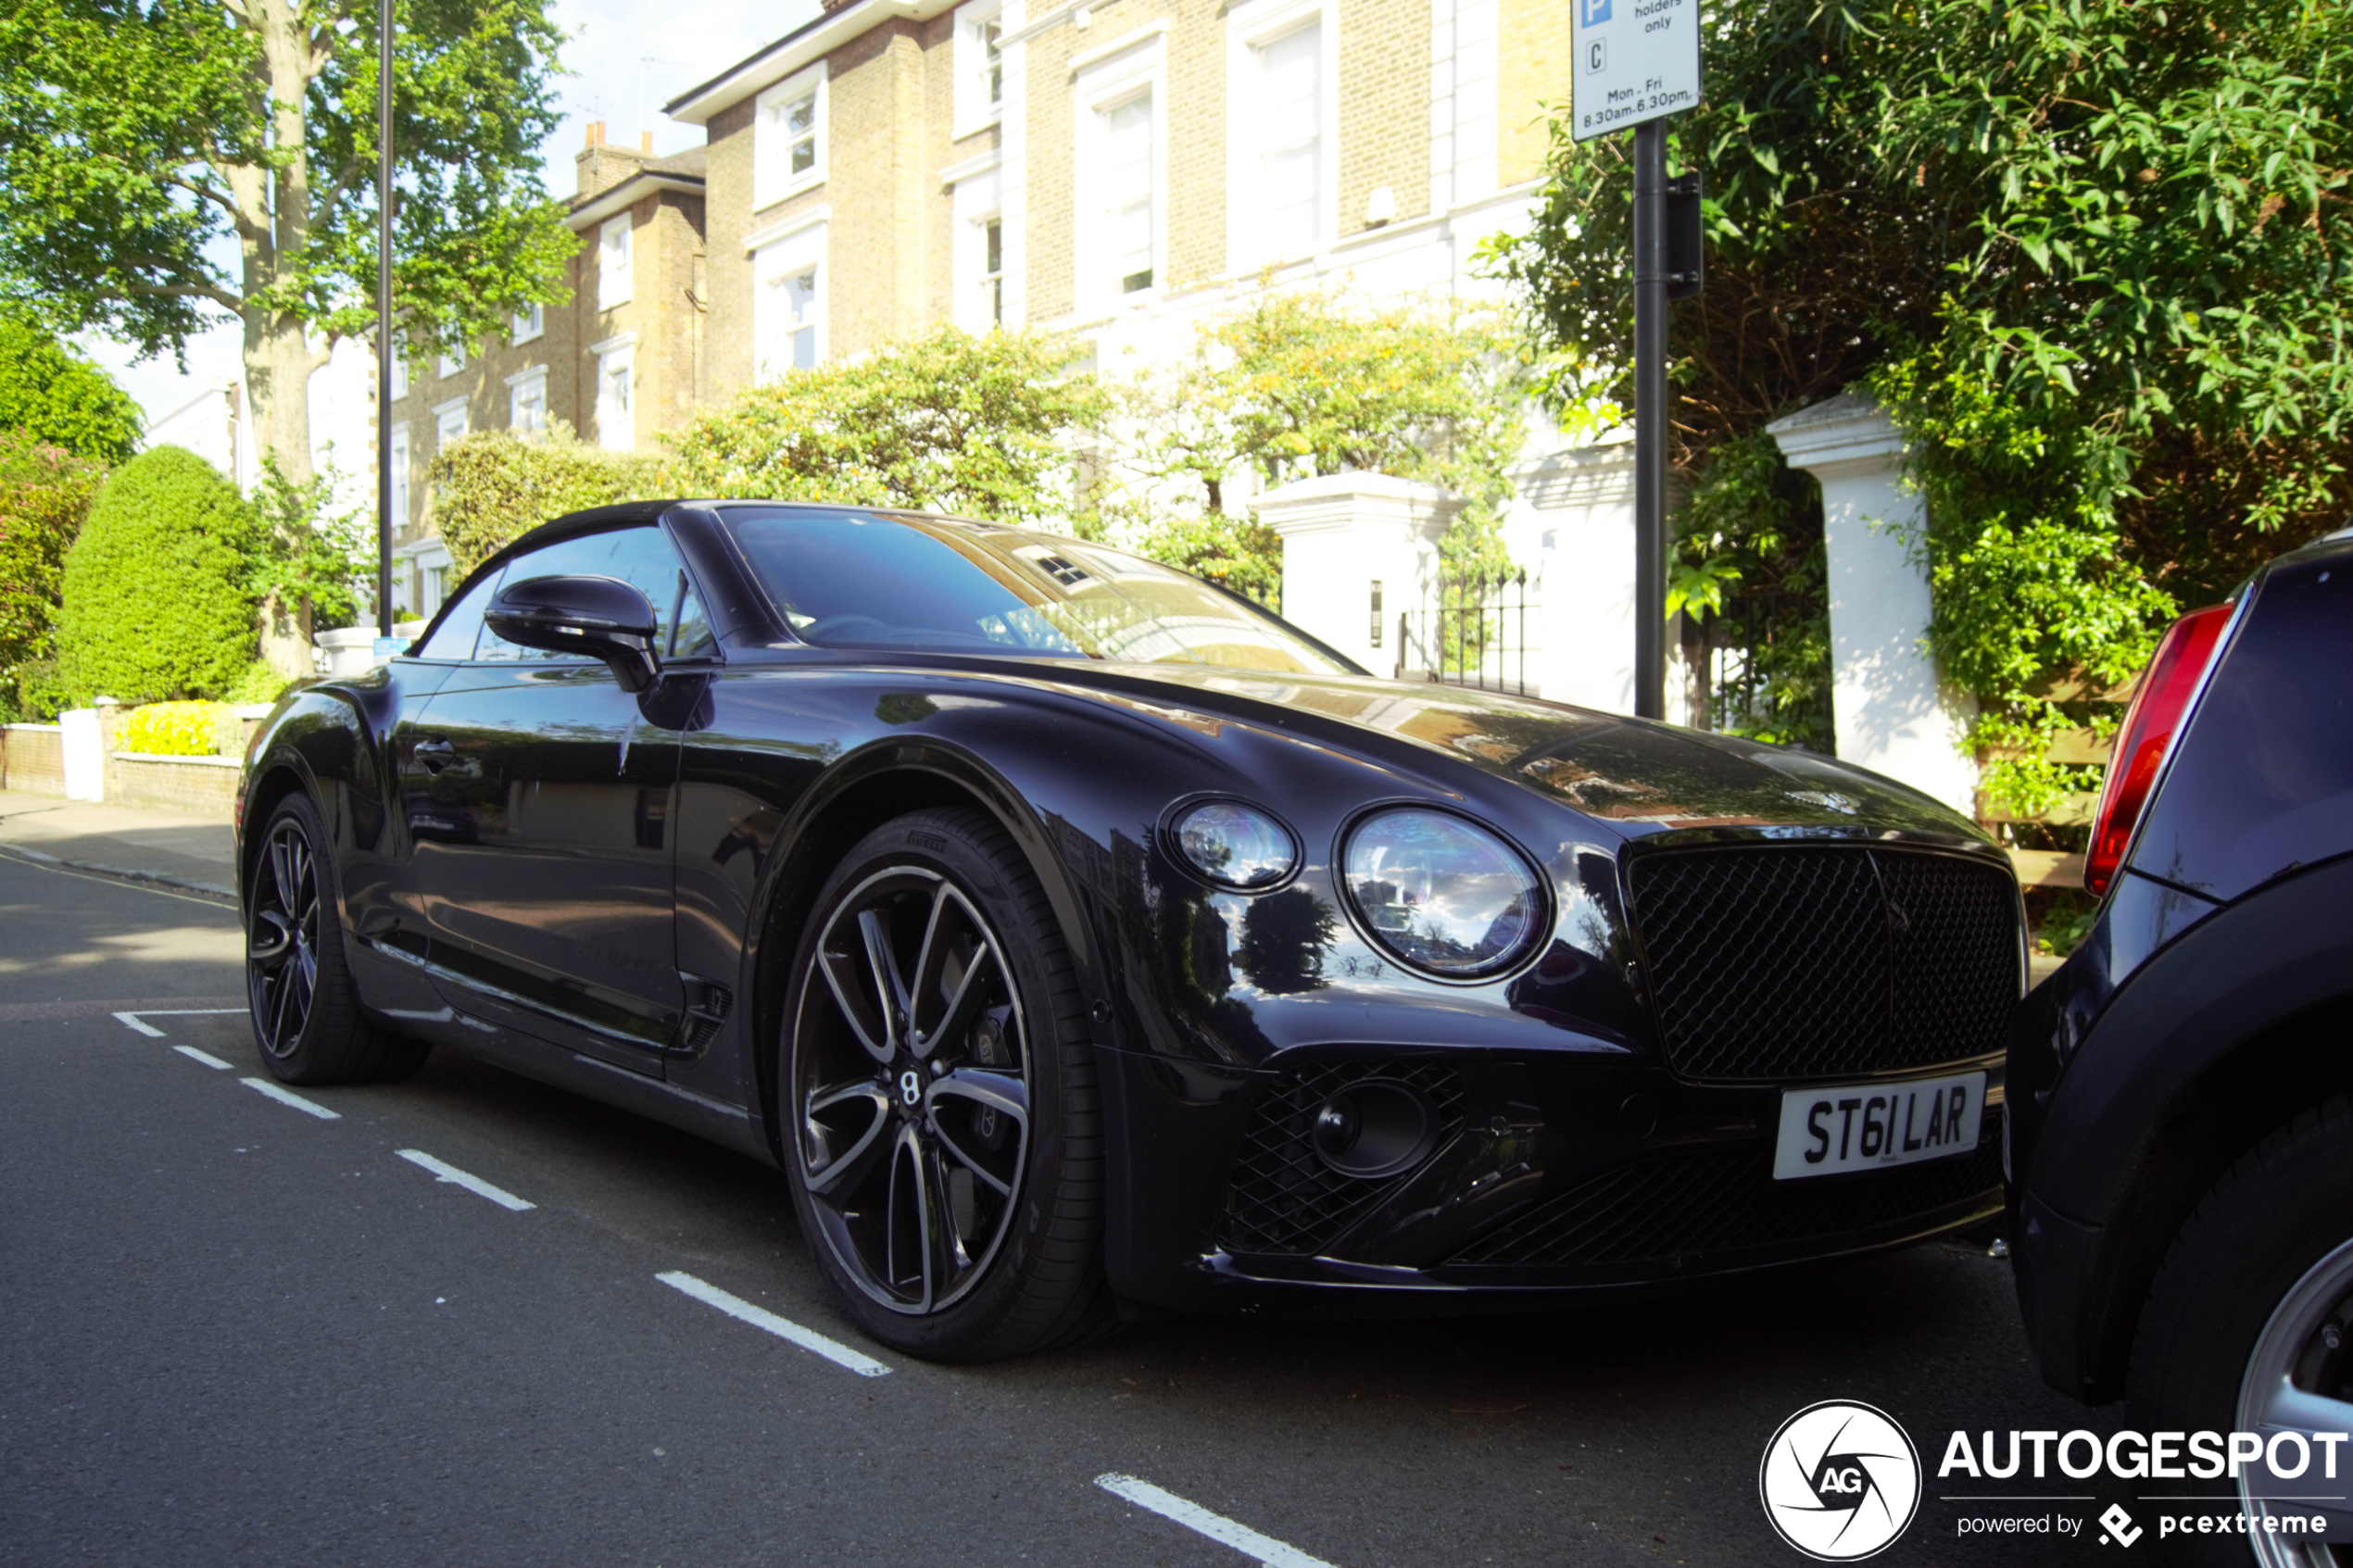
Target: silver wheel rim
282, 940
2297, 1382
910, 1075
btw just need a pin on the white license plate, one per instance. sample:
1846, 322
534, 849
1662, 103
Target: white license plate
1869, 1126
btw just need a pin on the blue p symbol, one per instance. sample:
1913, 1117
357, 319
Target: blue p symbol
1596, 12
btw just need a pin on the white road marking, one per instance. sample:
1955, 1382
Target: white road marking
206, 1057
286, 1096
136, 1020
1216, 1526
444, 1172
808, 1339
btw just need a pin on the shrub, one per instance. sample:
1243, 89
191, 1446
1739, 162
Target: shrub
154, 598
36, 693
948, 421
175, 729
58, 398
491, 487
262, 682
44, 494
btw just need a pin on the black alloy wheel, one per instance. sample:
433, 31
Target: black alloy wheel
282, 943
942, 1136
305, 1014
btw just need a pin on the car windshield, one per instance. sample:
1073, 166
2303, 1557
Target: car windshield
852, 580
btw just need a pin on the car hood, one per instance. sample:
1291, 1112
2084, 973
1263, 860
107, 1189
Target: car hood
1639, 776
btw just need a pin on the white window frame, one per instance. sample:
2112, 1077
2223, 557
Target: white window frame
616, 434
771, 176
974, 110
1250, 26
531, 322
400, 364
1118, 74
400, 474
616, 237
782, 253
975, 200
456, 410
521, 386
452, 361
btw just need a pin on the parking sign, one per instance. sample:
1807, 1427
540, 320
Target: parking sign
1636, 60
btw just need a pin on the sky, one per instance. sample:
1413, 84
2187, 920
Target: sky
626, 58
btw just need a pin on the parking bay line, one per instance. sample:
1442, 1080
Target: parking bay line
742, 1310
137, 1019
287, 1097
206, 1057
444, 1172
1216, 1526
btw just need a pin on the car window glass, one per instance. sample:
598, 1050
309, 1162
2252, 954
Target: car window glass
640, 557
690, 628
454, 638
846, 580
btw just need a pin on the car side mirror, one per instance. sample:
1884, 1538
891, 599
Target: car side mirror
601, 618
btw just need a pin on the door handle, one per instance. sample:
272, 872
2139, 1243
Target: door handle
434, 755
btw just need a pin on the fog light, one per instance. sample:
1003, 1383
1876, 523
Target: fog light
1374, 1129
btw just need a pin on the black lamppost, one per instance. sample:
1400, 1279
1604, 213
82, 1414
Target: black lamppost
383, 317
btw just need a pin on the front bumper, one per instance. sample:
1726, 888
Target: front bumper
1556, 1176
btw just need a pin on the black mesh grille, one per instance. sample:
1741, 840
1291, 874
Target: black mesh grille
1692, 1205
1782, 962
1280, 1197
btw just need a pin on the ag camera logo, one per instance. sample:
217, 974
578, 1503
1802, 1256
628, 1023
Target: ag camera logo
1841, 1481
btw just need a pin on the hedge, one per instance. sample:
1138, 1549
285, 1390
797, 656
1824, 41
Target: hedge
45, 493
491, 487
176, 729
154, 602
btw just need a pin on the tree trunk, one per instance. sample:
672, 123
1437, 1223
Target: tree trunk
274, 225
278, 361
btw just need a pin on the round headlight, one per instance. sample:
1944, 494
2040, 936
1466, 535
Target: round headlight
1236, 845
1440, 894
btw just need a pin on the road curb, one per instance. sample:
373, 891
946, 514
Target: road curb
124, 874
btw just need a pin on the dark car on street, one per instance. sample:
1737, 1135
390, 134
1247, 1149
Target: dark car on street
2182, 1088
1074, 934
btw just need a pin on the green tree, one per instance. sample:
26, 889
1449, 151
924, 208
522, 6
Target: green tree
1306, 383
156, 602
2092, 256
134, 135
56, 396
950, 422
46, 493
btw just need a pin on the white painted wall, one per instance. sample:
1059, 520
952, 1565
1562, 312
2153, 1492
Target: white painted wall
1894, 713
1342, 534
1571, 524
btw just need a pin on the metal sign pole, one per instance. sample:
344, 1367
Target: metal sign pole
1635, 67
1649, 420
383, 317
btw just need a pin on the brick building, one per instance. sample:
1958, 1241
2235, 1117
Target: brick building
620, 359
1114, 169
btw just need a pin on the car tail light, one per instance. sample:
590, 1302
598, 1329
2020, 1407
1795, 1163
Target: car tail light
2156, 712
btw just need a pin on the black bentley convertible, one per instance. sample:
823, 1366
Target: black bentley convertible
1071, 932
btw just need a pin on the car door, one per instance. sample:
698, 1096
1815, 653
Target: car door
546, 873
382, 905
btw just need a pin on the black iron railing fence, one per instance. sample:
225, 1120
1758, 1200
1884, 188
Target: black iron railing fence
1472, 630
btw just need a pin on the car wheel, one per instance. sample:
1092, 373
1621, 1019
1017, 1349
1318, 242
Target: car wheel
305, 1014
943, 1136
2248, 1326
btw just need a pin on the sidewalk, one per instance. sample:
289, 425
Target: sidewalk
192, 854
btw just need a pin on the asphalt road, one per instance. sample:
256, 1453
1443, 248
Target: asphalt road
239, 1332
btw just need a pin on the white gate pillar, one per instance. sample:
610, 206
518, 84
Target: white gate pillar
1572, 525
1894, 713
1358, 548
